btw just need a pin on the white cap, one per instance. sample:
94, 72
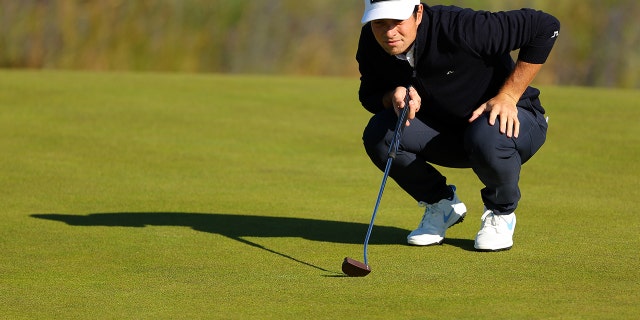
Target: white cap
388, 9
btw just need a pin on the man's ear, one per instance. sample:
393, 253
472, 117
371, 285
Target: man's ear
419, 14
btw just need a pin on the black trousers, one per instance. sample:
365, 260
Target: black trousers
494, 158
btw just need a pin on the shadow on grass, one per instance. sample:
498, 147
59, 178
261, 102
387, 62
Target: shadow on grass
237, 227
464, 244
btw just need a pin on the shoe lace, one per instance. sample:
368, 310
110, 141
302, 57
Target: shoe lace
484, 217
429, 213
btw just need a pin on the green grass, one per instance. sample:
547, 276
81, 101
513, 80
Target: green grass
164, 196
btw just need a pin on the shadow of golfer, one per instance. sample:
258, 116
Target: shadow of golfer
237, 227
464, 244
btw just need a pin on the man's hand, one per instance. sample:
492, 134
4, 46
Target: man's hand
503, 106
397, 101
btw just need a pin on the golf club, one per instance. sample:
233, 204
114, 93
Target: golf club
354, 268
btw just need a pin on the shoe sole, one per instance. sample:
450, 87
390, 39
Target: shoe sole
493, 250
441, 241
426, 245
459, 220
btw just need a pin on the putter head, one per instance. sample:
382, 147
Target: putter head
354, 268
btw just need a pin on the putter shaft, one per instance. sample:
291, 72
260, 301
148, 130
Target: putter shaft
393, 150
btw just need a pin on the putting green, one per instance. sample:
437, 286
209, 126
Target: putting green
164, 196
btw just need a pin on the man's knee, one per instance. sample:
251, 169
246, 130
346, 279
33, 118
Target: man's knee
485, 144
374, 139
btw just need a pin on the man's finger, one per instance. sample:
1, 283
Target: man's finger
493, 115
477, 112
508, 128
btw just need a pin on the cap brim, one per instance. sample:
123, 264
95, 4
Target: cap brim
377, 14
390, 10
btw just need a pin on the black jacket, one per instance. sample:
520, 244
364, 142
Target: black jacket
462, 60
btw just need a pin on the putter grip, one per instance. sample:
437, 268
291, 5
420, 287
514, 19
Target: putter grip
402, 119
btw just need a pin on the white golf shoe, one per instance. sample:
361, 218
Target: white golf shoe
437, 218
496, 232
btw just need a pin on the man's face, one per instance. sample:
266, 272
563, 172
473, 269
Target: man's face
396, 36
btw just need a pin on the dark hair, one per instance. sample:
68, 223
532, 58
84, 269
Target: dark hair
415, 10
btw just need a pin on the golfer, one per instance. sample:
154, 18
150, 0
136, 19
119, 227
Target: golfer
470, 106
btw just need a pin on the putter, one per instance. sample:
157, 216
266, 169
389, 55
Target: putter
352, 267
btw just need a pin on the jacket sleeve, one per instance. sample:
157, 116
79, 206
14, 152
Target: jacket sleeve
490, 33
370, 92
